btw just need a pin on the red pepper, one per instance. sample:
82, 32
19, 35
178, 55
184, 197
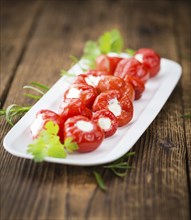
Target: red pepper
150, 59
107, 121
44, 116
88, 79
86, 133
96, 72
132, 67
107, 83
110, 83
107, 63
72, 107
120, 105
137, 84
129, 90
85, 93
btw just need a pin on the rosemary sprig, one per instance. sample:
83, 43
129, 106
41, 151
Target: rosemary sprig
118, 167
36, 97
14, 110
64, 72
36, 87
100, 181
76, 60
187, 115
41, 86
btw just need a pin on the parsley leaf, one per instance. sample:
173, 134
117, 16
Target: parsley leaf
91, 51
51, 128
70, 145
109, 42
48, 144
130, 52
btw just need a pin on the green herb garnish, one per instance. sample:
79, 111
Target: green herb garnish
186, 116
64, 72
100, 181
130, 52
48, 144
118, 167
14, 110
109, 42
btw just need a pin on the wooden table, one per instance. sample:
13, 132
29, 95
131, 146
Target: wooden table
37, 37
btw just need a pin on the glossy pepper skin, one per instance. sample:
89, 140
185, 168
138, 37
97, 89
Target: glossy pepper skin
138, 85
133, 68
107, 83
107, 115
87, 140
88, 79
85, 93
73, 107
150, 59
91, 77
42, 117
107, 63
129, 90
96, 72
120, 105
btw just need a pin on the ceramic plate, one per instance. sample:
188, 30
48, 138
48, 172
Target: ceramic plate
158, 89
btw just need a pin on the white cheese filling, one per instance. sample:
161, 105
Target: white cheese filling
114, 107
104, 123
37, 125
84, 126
92, 80
74, 93
139, 57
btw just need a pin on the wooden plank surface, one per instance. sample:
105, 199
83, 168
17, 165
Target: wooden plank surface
184, 42
157, 187
16, 32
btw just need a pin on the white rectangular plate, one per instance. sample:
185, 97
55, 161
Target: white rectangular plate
158, 89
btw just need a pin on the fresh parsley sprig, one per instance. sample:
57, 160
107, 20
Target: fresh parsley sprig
109, 42
130, 51
48, 144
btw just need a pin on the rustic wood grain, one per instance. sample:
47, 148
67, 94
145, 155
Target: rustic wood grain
183, 31
16, 32
157, 187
